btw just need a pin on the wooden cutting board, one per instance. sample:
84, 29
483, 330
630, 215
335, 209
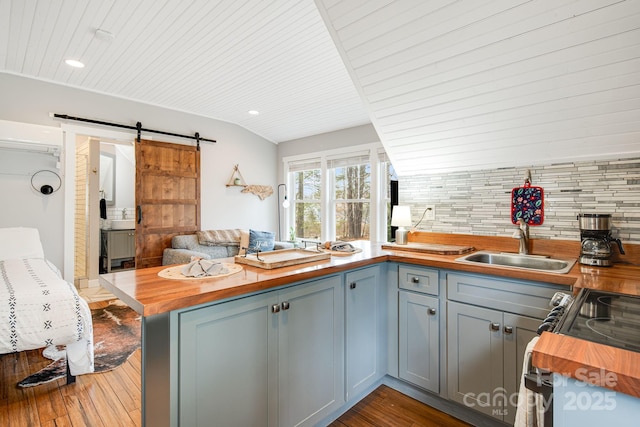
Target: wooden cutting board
430, 248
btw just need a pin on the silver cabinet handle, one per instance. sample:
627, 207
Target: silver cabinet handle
285, 305
352, 285
508, 329
415, 279
495, 326
431, 311
275, 308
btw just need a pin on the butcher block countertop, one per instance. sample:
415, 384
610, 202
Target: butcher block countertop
149, 294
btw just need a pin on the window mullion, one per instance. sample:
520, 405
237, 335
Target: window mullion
329, 210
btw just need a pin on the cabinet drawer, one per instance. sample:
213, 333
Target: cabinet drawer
418, 279
520, 297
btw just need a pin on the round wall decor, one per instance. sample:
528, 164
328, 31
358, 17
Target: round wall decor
44, 177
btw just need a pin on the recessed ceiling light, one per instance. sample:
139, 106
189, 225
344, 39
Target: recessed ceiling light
74, 63
253, 112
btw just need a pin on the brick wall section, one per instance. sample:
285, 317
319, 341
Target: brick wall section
478, 202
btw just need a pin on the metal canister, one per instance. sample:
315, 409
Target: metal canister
594, 221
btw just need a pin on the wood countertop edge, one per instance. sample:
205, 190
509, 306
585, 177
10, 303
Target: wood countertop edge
598, 364
178, 302
340, 264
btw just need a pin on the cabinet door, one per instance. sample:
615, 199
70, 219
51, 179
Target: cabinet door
419, 340
475, 357
228, 364
364, 329
311, 350
518, 331
122, 244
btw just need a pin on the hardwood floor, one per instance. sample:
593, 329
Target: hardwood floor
106, 399
386, 407
113, 398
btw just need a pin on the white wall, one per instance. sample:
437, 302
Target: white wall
358, 135
17, 168
31, 101
22, 206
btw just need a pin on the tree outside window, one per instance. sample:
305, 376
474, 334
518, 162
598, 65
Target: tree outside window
307, 186
352, 201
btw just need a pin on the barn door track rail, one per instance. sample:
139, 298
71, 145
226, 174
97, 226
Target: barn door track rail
138, 127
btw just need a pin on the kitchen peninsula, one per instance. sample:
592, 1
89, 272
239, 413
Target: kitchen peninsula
176, 311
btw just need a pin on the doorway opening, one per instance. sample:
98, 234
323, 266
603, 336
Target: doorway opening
104, 170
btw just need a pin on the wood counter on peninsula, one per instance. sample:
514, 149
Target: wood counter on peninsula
158, 300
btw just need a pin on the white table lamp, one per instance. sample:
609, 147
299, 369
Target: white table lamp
401, 218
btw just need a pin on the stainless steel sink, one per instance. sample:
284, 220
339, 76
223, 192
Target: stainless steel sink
527, 262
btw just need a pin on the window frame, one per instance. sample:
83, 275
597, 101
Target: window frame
378, 197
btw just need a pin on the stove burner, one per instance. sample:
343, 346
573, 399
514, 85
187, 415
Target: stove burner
604, 317
610, 329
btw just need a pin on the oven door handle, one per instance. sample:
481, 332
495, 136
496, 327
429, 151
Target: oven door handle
538, 383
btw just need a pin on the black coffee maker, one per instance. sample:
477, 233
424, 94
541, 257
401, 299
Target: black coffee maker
595, 235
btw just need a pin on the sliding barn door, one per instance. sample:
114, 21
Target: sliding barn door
167, 197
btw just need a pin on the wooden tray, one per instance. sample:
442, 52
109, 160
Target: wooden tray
430, 248
282, 258
341, 253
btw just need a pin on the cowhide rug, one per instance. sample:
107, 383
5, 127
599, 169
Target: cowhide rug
116, 336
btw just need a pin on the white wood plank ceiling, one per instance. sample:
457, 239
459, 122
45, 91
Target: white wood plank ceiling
216, 59
449, 85
460, 85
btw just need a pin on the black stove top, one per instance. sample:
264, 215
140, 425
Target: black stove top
604, 317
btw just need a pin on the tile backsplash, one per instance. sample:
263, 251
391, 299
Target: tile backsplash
116, 213
479, 202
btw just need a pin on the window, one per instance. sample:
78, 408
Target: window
351, 196
340, 194
306, 182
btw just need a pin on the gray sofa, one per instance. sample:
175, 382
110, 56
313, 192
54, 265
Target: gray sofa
185, 246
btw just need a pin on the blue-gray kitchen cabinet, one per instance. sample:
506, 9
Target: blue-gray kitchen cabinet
490, 321
419, 326
365, 328
272, 359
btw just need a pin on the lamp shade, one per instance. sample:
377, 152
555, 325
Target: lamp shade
401, 216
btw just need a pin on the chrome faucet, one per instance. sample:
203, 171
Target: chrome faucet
523, 235
124, 213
